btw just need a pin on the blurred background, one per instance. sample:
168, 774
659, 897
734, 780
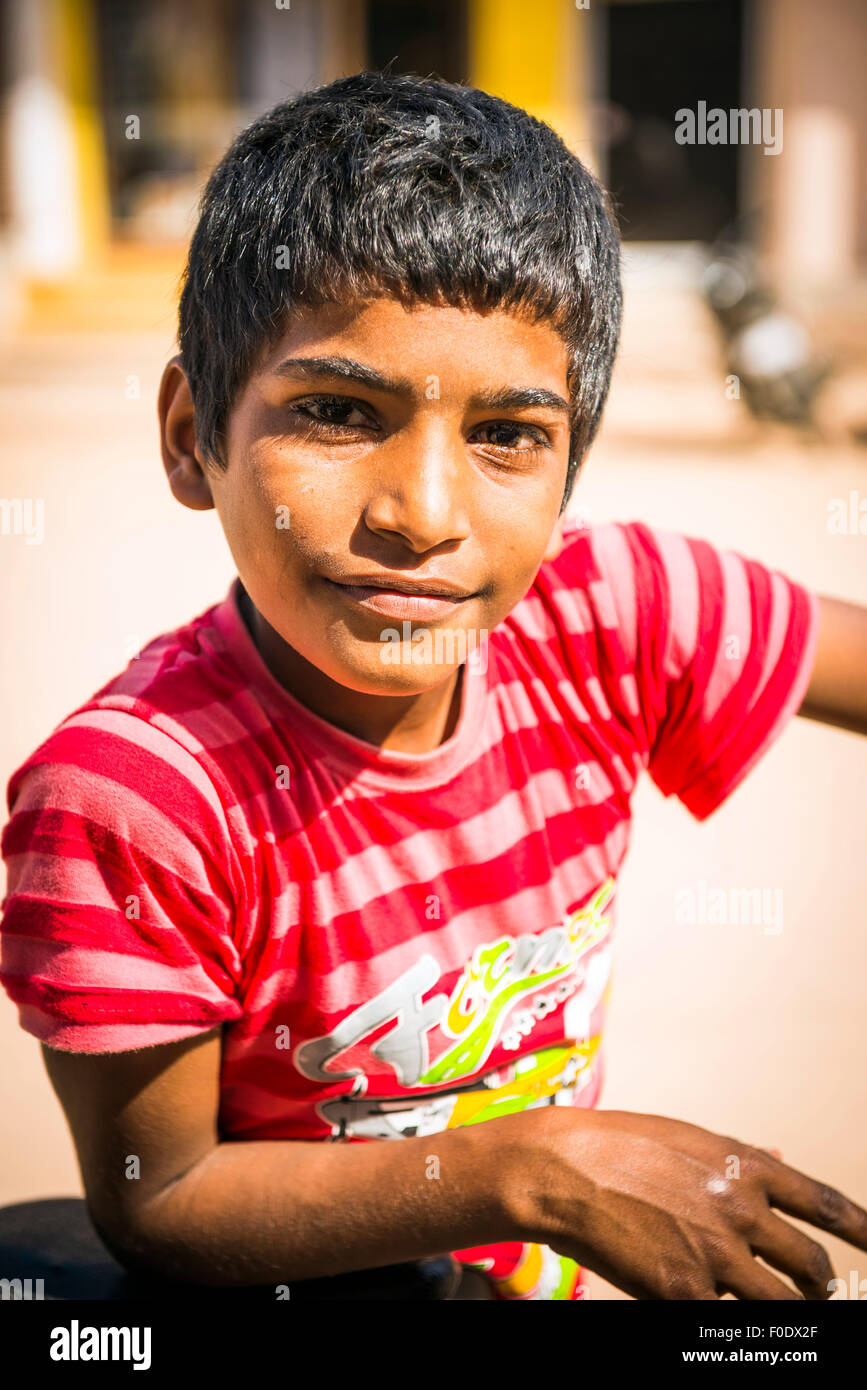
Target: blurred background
738, 412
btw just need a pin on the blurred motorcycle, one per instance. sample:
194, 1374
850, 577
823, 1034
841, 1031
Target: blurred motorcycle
766, 348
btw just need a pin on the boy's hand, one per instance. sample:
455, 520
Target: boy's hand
664, 1209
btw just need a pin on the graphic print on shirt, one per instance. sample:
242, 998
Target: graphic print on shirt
568, 965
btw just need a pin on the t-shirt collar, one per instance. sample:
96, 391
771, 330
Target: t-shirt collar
374, 766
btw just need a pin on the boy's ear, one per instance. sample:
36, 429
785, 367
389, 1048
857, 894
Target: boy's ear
181, 460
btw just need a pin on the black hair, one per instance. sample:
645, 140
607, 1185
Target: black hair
412, 186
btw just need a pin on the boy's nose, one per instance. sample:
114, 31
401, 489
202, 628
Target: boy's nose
421, 495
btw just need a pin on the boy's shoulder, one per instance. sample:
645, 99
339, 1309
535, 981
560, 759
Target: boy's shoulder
170, 669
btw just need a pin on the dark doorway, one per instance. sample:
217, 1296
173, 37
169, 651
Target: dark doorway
662, 57
428, 37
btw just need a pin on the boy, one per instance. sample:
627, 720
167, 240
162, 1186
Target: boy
337, 859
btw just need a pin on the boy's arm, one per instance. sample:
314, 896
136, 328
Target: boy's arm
253, 1212
638, 1198
837, 693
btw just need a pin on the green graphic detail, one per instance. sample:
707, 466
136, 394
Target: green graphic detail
469, 1053
509, 1105
569, 1269
548, 1064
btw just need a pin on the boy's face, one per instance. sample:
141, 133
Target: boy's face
415, 474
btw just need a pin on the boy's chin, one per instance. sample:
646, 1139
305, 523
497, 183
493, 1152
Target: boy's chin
397, 678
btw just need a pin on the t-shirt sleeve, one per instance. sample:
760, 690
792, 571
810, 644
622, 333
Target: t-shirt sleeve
118, 924
721, 649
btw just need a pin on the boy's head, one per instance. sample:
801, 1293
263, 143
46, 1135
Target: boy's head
450, 243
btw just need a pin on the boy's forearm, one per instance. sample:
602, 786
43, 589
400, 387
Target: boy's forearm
261, 1211
837, 693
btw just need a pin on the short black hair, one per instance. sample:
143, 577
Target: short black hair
412, 186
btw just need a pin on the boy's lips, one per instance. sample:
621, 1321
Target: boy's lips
400, 602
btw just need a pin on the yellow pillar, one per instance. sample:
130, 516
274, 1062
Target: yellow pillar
536, 56
74, 44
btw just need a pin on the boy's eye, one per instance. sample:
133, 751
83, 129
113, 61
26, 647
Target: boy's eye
511, 429
334, 413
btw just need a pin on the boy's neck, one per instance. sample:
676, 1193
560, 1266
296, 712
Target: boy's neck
400, 723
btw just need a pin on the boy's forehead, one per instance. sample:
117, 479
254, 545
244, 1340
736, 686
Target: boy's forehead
383, 328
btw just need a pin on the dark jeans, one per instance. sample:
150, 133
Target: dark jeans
54, 1240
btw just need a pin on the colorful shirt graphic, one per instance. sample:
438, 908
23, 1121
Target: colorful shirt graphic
552, 968
523, 980
393, 944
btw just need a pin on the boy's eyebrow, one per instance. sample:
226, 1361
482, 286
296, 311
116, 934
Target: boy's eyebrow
347, 369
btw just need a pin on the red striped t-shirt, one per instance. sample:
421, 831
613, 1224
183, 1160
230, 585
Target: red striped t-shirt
394, 943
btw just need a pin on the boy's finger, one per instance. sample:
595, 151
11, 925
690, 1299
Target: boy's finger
818, 1203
